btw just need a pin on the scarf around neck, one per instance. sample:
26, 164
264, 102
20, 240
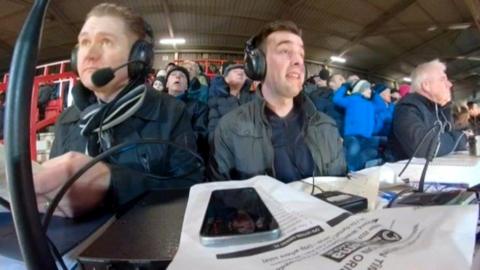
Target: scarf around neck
97, 118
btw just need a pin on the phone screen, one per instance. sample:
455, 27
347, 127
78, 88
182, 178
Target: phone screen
239, 211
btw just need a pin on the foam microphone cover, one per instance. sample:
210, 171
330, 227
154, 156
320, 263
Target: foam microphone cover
103, 76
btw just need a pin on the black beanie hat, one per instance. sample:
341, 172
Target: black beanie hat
324, 74
181, 69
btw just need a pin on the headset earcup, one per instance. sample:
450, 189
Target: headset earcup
74, 59
255, 65
142, 53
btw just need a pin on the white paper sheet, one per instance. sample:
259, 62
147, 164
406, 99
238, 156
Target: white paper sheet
3, 175
403, 238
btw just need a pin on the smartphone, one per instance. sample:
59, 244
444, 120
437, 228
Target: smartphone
237, 216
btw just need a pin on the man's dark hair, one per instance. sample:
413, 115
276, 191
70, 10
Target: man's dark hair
275, 26
470, 104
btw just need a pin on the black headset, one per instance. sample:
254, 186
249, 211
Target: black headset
141, 56
255, 62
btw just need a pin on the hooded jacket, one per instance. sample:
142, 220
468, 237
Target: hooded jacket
414, 117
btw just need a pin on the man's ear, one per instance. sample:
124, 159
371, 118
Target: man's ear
425, 86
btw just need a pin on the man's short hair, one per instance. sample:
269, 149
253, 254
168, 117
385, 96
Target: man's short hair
275, 26
470, 104
133, 21
422, 72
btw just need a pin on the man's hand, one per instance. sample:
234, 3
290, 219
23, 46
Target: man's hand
469, 133
85, 194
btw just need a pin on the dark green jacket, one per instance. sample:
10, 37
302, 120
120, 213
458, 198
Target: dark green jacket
243, 147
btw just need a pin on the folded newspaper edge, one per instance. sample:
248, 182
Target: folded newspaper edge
439, 237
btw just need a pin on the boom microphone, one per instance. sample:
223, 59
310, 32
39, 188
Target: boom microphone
103, 76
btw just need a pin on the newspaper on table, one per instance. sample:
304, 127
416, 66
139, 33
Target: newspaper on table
317, 235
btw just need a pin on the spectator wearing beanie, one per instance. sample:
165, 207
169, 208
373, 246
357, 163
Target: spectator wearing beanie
384, 108
232, 91
218, 80
359, 123
323, 75
177, 85
317, 81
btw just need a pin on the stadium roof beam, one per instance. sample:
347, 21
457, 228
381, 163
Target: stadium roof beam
377, 23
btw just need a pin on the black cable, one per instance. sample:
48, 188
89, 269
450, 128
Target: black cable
313, 186
54, 250
422, 141
314, 171
403, 191
5, 203
313, 179
32, 242
123, 147
428, 158
421, 183
56, 254
457, 142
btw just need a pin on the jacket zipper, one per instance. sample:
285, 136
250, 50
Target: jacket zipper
145, 163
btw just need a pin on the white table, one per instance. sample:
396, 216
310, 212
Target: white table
457, 168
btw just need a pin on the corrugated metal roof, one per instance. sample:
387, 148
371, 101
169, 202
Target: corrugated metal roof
384, 37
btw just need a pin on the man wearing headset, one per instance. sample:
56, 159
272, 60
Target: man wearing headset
280, 133
425, 115
113, 111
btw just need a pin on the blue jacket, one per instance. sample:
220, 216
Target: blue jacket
383, 116
359, 113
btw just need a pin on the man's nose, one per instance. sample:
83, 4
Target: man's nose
297, 59
449, 84
94, 51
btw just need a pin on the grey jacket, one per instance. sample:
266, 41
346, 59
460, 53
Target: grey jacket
243, 147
